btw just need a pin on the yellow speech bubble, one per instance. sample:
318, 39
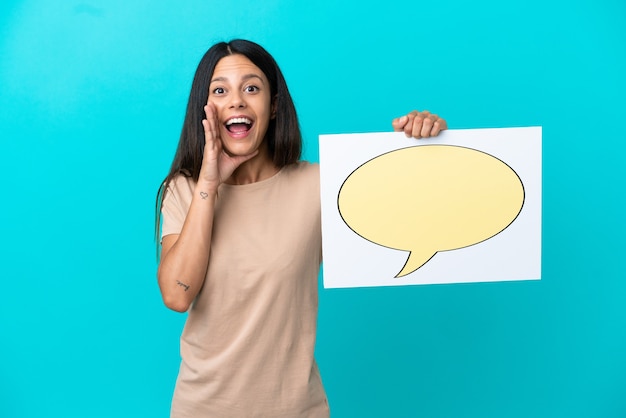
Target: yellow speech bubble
430, 198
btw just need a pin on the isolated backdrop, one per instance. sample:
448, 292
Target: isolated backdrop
92, 95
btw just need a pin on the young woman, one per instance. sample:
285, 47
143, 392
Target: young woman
241, 242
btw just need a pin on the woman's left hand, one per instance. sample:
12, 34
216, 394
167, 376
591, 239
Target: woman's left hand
419, 124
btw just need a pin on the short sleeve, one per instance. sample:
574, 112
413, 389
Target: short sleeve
176, 203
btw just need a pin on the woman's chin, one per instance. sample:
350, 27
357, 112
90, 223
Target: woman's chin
242, 148
239, 150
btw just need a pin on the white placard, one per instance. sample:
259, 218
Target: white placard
383, 192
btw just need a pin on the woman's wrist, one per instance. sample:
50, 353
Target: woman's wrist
206, 190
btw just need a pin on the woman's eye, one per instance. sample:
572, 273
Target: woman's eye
218, 90
252, 89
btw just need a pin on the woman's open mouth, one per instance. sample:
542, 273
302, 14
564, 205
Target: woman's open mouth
238, 125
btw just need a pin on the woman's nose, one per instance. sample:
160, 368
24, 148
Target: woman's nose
237, 100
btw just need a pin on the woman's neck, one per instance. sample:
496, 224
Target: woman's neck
256, 169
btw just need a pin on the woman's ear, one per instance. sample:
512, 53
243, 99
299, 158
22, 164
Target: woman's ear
273, 107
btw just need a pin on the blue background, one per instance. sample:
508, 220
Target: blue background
92, 97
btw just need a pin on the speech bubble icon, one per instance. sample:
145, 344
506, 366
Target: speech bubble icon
430, 198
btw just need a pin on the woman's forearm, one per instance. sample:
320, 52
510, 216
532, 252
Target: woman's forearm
185, 257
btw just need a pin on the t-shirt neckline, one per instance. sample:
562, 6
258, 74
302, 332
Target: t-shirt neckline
256, 185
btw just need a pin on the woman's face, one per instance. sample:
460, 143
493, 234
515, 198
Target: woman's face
241, 94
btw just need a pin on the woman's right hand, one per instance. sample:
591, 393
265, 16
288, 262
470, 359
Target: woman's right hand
185, 256
217, 165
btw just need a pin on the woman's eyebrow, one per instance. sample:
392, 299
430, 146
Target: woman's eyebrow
245, 77
249, 76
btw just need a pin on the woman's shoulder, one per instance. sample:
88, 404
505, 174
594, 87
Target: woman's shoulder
181, 185
304, 168
302, 171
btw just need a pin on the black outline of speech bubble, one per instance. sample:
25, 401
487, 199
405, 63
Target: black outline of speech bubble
452, 249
